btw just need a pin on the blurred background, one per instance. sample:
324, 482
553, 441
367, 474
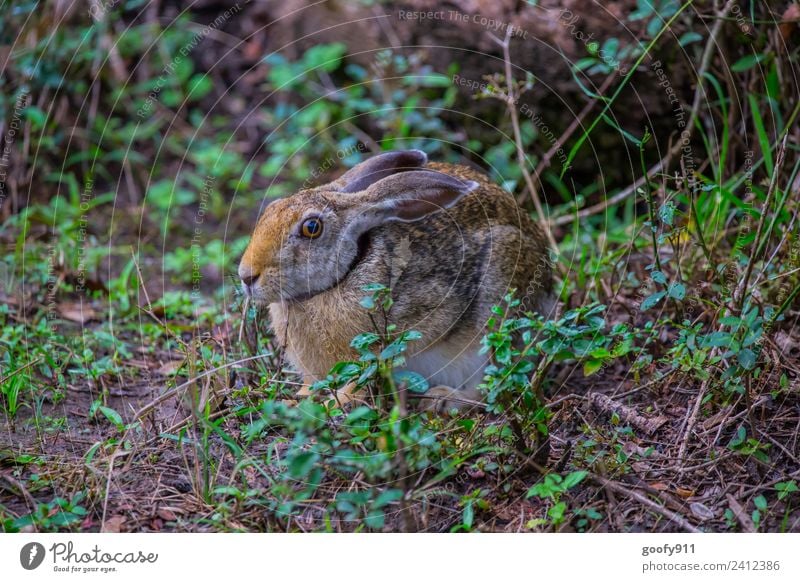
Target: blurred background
131, 115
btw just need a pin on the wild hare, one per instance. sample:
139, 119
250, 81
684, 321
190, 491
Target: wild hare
449, 243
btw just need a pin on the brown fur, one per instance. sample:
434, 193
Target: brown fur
446, 270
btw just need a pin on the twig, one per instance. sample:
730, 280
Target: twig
741, 514
14, 484
3, 379
773, 183
690, 422
626, 413
521, 157
172, 391
245, 306
107, 492
638, 497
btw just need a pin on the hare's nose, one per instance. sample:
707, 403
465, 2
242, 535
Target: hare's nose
248, 277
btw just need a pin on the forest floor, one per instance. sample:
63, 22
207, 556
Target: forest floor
118, 448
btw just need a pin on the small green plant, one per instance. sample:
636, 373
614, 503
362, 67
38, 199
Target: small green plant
552, 488
58, 515
512, 384
381, 354
748, 446
382, 444
469, 503
10, 388
785, 489
758, 513
585, 516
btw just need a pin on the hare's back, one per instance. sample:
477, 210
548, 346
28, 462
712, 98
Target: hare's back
447, 270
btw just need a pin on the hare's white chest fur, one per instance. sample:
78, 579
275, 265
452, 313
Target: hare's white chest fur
457, 366
317, 336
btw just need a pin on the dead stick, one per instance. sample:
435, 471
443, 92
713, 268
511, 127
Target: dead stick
626, 413
638, 497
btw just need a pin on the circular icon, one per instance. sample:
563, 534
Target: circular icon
31, 555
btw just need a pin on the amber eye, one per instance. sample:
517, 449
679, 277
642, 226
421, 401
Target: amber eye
311, 228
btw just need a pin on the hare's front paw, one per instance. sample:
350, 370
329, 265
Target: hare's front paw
442, 399
349, 393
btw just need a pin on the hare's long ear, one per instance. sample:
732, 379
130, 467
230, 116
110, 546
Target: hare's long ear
379, 167
407, 197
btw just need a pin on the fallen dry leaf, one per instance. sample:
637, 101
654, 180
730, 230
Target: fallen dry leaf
169, 368
166, 514
77, 312
701, 511
114, 524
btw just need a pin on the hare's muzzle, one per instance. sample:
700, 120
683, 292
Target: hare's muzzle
248, 278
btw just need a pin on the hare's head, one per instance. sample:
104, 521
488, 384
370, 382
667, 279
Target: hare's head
308, 243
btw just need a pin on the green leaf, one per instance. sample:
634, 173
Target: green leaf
361, 413
200, 86
364, 340
36, 116
667, 213
387, 497
302, 463
760, 502
746, 359
731, 321
556, 513
573, 479
413, 382
592, 366
747, 62
326, 56
373, 287
468, 515
738, 439
433, 80
717, 339
677, 291
374, 519
412, 335
785, 489
688, 38
393, 350
652, 301
644, 8
112, 415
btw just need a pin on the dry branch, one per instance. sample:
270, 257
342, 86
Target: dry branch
627, 414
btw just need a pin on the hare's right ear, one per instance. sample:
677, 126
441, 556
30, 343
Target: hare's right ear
379, 167
407, 197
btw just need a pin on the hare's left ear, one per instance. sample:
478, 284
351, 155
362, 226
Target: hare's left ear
410, 196
379, 167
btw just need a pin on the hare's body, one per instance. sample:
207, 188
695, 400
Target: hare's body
445, 271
